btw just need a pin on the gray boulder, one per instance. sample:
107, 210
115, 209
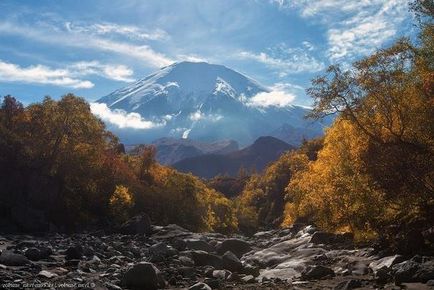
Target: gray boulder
196, 244
236, 246
348, 285
9, 258
231, 262
33, 254
330, 238
202, 258
317, 272
137, 225
143, 276
74, 253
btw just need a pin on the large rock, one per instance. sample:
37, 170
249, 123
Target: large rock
196, 244
143, 276
231, 262
385, 262
202, 258
348, 285
317, 272
33, 254
236, 246
74, 253
137, 225
411, 271
161, 251
405, 271
329, 238
36, 254
9, 258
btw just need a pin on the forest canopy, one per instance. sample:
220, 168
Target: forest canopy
60, 164
373, 173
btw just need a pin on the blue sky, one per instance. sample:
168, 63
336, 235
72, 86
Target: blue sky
91, 48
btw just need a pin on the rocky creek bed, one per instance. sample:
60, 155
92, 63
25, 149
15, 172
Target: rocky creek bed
171, 257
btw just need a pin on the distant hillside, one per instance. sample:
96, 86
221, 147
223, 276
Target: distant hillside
253, 158
171, 150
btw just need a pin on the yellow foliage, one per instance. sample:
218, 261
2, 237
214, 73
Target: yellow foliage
333, 190
120, 203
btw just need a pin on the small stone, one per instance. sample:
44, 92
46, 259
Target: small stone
317, 272
59, 271
199, 286
213, 283
233, 277
383, 276
186, 261
348, 285
250, 270
221, 274
187, 272
248, 279
160, 251
47, 274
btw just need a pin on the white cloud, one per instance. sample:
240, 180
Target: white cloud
310, 8
280, 95
121, 118
198, 115
106, 28
69, 76
362, 33
63, 37
355, 27
40, 74
285, 59
191, 57
308, 45
114, 72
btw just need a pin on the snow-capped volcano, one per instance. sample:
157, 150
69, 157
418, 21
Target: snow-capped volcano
201, 101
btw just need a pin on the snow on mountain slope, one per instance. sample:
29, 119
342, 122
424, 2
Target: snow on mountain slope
201, 101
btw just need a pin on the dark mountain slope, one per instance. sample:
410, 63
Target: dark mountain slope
252, 158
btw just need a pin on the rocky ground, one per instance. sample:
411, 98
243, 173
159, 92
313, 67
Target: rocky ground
154, 257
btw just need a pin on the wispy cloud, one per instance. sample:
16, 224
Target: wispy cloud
310, 8
198, 115
39, 74
286, 60
68, 76
280, 95
121, 118
355, 28
109, 71
60, 36
106, 28
191, 57
366, 31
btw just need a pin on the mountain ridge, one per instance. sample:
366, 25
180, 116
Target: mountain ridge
205, 102
253, 158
